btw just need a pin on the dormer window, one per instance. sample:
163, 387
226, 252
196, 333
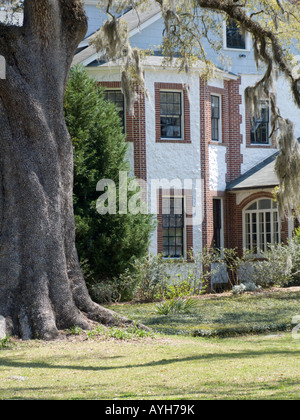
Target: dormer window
235, 35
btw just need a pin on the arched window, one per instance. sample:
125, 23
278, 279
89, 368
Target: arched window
261, 225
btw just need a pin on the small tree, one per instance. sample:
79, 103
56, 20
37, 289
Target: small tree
107, 244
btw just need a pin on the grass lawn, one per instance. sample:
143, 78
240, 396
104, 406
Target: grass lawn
162, 367
223, 315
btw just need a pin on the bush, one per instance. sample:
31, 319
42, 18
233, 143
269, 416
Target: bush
176, 306
151, 278
277, 266
180, 287
244, 287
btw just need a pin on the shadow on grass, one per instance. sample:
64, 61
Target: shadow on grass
8, 363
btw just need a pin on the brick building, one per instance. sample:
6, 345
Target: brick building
197, 138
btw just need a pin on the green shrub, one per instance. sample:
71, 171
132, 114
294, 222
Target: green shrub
5, 343
277, 265
75, 330
180, 287
176, 306
107, 244
151, 278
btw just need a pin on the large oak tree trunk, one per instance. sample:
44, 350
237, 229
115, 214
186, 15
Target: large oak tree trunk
41, 285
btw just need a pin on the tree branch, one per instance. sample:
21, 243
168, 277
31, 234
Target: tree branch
260, 34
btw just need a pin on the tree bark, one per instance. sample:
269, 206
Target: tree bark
42, 289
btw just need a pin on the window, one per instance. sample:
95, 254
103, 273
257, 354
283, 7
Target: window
260, 125
262, 225
173, 226
215, 118
117, 97
235, 36
171, 115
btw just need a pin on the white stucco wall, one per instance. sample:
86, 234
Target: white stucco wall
174, 160
287, 105
217, 167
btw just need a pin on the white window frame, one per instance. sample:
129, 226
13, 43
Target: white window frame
220, 119
240, 50
182, 115
258, 211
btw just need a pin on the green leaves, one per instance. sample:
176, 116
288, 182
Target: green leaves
107, 244
176, 306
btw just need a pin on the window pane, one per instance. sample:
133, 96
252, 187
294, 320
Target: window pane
178, 206
253, 206
166, 206
172, 251
265, 204
166, 221
215, 106
163, 98
172, 240
172, 221
163, 109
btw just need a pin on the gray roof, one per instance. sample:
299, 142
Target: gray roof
262, 175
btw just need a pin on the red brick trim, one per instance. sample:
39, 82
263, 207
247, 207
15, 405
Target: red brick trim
188, 195
234, 158
255, 196
205, 138
186, 112
231, 139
